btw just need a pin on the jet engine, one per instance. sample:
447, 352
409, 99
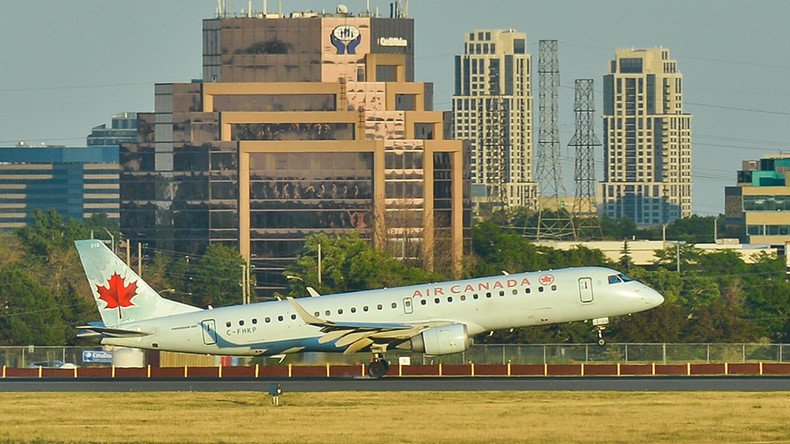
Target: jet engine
442, 340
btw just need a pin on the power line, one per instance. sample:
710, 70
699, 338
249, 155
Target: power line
52, 88
736, 108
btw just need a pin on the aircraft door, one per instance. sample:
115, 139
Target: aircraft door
209, 328
407, 307
585, 289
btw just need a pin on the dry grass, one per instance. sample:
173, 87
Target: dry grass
396, 417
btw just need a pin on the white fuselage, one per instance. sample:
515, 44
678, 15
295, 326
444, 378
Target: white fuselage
492, 303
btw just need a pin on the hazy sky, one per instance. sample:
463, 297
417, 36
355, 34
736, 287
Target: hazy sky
67, 65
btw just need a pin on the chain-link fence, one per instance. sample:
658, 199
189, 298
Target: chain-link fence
662, 353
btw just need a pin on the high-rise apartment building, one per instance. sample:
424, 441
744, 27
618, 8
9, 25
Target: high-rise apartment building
302, 125
492, 108
77, 182
647, 139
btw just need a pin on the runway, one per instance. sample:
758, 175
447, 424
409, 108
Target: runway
696, 383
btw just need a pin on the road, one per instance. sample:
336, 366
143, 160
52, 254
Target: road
685, 383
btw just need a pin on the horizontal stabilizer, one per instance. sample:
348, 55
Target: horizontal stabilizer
92, 331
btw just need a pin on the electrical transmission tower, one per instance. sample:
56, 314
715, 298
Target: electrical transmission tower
587, 225
554, 221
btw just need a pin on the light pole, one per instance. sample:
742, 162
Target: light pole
244, 283
319, 263
112, 238
677, 253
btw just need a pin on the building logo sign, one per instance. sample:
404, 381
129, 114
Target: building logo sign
393, 41
346, 38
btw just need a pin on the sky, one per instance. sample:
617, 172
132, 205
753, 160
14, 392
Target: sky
68, 65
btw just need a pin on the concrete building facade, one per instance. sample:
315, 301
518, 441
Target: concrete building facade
647, 139
77, 182
492, 108
262, 157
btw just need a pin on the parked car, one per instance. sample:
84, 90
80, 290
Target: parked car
51, 364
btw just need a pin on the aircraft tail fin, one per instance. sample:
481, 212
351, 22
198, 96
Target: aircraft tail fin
120, 294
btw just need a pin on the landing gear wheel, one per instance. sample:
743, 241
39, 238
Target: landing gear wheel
600, 328
378, 368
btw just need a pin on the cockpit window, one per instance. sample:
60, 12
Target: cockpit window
615, 279
625, 278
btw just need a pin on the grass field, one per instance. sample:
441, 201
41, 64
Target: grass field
396, 417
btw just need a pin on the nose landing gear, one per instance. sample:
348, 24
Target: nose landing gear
600, 326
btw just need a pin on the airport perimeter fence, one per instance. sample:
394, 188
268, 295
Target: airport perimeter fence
632, 353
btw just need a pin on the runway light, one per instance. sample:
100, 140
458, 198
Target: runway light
275, 390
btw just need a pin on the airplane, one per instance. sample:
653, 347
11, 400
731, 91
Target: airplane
435, 319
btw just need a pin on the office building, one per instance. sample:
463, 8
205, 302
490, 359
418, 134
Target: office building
492, 108
647, 139
761, 200
123, 128
303, 125
77, 182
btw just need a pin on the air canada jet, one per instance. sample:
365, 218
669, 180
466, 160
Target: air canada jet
435, 319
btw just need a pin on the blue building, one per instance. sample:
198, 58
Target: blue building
77, 182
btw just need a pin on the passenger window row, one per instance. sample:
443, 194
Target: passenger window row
394, 305
488, 295
365, 308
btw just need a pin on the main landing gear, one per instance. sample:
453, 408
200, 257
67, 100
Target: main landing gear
600, 326
378, 366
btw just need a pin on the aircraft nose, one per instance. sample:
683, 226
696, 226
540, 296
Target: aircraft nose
651, 297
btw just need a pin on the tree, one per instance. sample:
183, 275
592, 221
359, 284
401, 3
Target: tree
615, 229
217, 277
665, 323
350, 263
29, 315
682, 254
496, 250
9, 250
49, 231
577, 256
765, 289
625, 261
719, 321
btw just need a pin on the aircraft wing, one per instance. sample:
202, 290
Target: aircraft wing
358, 335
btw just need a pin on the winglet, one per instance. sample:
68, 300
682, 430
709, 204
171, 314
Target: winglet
307, 317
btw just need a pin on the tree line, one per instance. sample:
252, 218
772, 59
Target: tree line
716, 297
44, 294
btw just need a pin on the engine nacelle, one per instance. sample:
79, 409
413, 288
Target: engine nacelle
442, 340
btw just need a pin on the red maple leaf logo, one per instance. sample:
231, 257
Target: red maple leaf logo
116, 294
546, 279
